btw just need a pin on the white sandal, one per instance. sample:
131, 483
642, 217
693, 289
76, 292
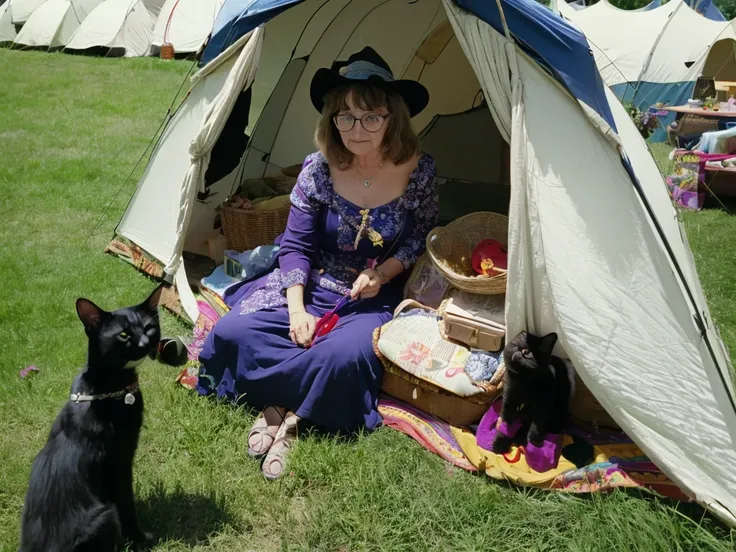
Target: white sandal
280, 448
261, 429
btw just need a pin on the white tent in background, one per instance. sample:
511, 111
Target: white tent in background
627, 305
54, 22
21, 10
658, 54
7, 29
124, 26
185, 24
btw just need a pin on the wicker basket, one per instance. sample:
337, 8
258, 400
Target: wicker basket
246, 229
586, 409
455, 410
454, 244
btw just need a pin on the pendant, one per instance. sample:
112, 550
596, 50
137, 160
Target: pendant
367, 183
375, 237
129, 399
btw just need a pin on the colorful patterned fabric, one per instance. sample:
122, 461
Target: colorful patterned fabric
131, 253
208, 316
588, 464
430, 432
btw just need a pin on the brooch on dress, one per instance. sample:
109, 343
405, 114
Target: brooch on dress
375, 237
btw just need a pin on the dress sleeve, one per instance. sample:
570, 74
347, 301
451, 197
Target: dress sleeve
424, 204
299, 242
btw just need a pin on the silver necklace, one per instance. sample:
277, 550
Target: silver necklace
367, 181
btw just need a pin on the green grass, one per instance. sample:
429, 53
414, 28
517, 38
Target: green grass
71, 128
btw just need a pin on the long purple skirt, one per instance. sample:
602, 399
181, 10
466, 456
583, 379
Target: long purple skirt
334, 384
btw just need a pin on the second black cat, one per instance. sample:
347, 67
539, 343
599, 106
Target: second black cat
537, 390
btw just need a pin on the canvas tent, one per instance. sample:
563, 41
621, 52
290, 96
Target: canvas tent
121, 26
54, 22
21, 10
582, 181
185, 24
7, 29
655, 55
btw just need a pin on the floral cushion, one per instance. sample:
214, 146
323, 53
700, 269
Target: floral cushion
412, 342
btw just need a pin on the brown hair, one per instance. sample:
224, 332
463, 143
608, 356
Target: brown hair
400, 143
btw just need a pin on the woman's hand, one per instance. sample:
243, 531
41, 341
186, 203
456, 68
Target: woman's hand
366, 285
301, 327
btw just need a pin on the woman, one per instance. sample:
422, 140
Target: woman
361, 210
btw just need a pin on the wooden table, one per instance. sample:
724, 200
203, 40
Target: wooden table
699, 111
721, 181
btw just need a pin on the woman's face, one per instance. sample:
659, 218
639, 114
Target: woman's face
358, 140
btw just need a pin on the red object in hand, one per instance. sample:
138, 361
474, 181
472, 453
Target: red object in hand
489, 255
328, 321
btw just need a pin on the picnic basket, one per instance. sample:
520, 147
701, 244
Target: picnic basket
246, 229
422, 370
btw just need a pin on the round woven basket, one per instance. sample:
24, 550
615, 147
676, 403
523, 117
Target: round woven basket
451, 247
246, 229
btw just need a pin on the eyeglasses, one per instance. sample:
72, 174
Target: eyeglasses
372, 122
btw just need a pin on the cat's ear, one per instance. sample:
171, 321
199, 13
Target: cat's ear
151, 304
547, 343
89, 313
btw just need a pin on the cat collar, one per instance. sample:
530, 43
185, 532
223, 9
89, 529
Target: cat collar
128, 393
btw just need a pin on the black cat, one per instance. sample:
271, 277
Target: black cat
537, 389
80, 495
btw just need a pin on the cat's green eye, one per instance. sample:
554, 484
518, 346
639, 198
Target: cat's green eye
123, 335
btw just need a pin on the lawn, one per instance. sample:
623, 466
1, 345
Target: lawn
71, 129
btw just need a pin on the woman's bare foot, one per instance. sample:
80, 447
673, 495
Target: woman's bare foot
263, 432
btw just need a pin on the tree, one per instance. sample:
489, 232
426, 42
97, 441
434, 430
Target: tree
630, 4
727, 7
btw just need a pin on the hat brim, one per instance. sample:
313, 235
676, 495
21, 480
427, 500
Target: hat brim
414, 94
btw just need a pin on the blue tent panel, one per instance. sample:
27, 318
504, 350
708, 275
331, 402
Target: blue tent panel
555, 44
237, 18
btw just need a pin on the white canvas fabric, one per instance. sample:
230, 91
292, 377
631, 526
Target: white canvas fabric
152, 223
241, 76
7, 29
43, 23
613, 298
54, 22
668, 44
21, 10
119, 24
185, 24
598, 259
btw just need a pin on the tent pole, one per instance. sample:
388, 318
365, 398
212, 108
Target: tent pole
503, 20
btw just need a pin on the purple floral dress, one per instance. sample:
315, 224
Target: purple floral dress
334, 384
